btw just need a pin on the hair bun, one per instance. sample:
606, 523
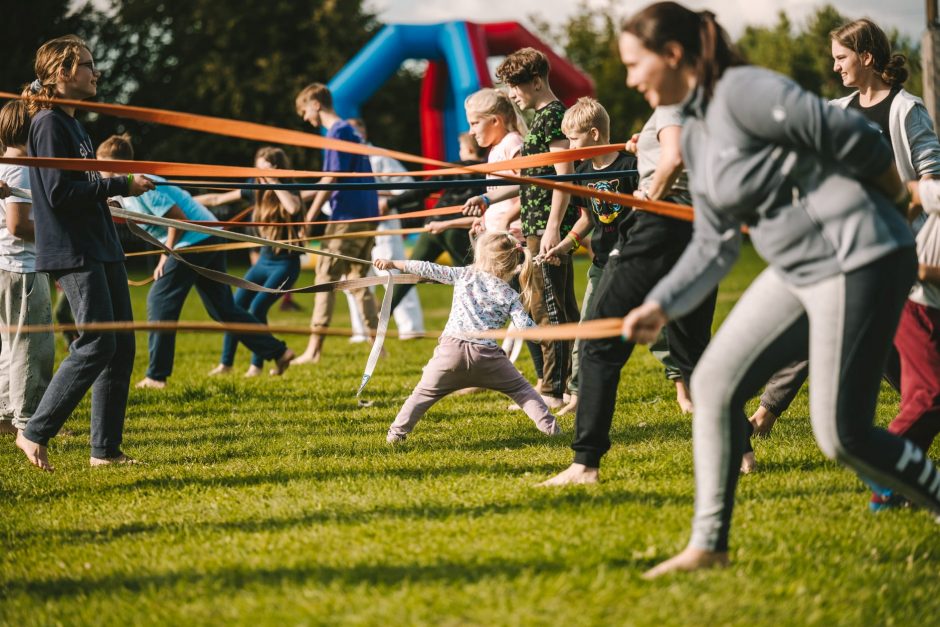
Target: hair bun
35, 86
894, 72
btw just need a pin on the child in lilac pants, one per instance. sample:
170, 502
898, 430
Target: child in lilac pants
483, 300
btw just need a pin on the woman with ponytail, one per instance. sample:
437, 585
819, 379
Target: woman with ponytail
76, 242
817, 188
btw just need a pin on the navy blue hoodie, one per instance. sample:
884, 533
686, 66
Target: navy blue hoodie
70, 210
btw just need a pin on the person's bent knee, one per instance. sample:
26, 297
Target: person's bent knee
707, 389
96, 348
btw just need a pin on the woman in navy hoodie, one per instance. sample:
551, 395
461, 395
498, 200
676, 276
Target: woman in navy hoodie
77, 243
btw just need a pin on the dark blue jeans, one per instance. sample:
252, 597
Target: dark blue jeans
166, 299
276, 271
97, 292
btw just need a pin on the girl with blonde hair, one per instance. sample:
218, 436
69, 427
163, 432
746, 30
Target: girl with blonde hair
483, 301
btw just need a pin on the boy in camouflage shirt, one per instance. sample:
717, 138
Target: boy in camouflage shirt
546, 214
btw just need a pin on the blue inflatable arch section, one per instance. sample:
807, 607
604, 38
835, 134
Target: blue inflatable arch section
448, 42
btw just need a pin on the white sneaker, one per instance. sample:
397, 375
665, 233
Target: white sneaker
394, 438
358, 339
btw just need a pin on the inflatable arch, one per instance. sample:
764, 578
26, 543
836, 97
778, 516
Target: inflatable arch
457, 53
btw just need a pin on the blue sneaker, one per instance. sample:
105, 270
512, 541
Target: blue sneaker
883, 498
886, 500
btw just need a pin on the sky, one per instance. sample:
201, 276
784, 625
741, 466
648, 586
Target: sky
908, 16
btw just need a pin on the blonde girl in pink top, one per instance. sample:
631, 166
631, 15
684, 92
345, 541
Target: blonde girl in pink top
496, 123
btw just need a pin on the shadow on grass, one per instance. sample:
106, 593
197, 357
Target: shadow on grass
238, 577
538, 501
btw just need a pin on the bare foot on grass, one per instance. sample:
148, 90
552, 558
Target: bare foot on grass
575, 474
748, 463
282, 364
151, 384
220, 370
683, 398
122, 460
553, 402
570, 408
687, 561
35, 453
763, 420
306, 358
253, 371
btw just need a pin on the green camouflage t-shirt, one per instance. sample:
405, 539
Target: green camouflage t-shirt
536, 202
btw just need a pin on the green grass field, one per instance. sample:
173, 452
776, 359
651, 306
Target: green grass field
277, 501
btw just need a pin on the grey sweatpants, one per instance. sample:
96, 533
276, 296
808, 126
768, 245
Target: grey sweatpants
458, 364
26, 359
848, 322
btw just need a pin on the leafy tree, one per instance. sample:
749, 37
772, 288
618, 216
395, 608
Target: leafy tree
229, 59
589, 40
29, 24
806, 54
241, 60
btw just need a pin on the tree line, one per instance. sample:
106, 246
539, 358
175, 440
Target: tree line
247, 61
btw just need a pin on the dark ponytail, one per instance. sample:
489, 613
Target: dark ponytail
705, 44
863, 36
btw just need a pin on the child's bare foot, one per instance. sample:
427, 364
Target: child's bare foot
748, 463
253, 371
7, 428
283, 363
683, 398
219, 370
121, 459
148, 383
35, 453
688, 560
575, 474
570, 408
553, 402
763, 421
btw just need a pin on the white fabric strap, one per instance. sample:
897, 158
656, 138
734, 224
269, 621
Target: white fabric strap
384, 315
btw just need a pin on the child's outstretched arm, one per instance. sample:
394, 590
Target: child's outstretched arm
389, 264
520, 317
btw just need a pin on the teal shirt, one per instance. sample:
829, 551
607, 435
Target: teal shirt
159, 201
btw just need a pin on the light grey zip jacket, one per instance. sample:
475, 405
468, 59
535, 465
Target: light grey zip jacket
768, 154
915, 145
916, 154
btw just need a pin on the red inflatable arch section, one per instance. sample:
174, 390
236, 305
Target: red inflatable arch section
487, 40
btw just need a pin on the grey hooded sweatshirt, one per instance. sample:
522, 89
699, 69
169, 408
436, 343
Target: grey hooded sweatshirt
766, 153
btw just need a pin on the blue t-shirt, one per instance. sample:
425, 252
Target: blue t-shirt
159, 201
350, 204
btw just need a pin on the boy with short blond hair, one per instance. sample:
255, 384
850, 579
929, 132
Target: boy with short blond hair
586, 124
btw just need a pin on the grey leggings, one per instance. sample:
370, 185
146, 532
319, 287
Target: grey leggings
848, 321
